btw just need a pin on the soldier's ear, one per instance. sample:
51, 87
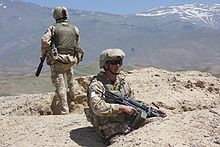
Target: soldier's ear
64, 14
106, 66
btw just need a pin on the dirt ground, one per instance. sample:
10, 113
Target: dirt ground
190, 98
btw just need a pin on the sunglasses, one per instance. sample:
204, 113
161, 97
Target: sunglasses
114, 62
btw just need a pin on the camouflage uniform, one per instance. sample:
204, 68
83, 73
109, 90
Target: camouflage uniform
104, 114
112, 119
62, 69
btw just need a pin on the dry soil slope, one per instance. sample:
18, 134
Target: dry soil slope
190, 98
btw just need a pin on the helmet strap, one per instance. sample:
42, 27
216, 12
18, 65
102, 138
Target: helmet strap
61, 20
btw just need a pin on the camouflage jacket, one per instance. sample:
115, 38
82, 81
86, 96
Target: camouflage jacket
102, 110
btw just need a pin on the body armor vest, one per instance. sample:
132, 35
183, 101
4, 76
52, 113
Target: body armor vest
65, 38
118, 88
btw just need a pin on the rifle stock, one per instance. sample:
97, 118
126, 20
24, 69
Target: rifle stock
40, 66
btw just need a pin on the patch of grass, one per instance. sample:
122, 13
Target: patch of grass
5, 94
29, 84
84, 70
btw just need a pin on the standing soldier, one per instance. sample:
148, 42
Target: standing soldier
61, 46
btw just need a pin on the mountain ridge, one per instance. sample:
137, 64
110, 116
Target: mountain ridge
153, 41
195, 13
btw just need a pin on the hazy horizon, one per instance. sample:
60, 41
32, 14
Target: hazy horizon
117, 7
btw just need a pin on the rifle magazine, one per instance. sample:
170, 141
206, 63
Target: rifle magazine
139, 120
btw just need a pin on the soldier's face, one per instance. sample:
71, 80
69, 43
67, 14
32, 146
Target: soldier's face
115, 66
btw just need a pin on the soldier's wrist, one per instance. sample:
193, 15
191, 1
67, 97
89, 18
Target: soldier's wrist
116, 107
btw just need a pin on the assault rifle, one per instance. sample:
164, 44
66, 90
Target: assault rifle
143, 112
54, 50
40, 66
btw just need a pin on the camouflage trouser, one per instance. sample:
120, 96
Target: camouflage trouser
60, 75
110, 130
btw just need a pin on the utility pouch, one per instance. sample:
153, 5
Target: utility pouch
54, 53
52, 56
79, 52
138, 120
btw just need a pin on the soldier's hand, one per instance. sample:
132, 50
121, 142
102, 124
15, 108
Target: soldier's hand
127, 109
162, 114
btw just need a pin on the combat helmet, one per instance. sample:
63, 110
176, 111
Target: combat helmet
110, 54
60, 13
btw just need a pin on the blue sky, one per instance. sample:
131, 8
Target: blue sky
117, 6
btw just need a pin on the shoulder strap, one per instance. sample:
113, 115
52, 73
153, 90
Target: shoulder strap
52, 43
123, 86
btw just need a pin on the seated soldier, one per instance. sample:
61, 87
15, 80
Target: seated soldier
108, 117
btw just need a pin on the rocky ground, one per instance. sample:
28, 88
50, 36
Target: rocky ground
190, 98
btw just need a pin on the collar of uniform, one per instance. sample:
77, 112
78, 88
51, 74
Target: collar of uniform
61, 20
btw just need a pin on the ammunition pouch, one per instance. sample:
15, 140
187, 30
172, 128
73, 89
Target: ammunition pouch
77, 52
59, 56
52, 55
138, 120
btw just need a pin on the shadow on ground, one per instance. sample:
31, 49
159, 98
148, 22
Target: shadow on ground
87, 137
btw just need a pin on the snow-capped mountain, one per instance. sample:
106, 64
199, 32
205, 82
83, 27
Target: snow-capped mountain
177, 37
195, 13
